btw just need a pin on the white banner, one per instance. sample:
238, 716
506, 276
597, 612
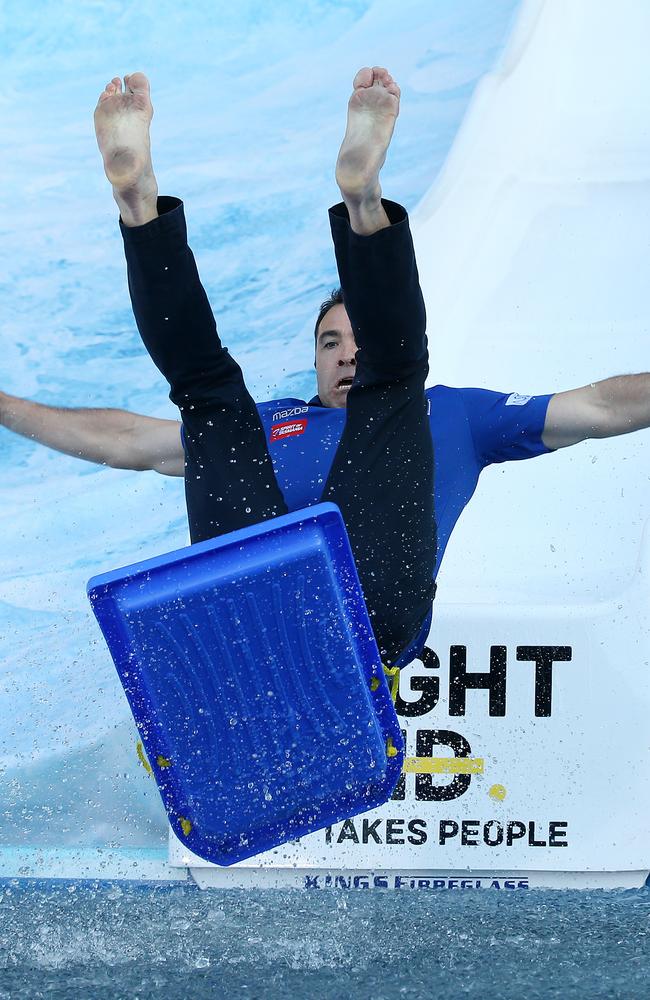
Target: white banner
527, 737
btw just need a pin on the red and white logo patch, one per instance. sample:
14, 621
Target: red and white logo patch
288, 429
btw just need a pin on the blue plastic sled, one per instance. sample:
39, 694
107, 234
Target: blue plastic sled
255, 682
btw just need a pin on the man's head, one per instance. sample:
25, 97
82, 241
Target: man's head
335, 352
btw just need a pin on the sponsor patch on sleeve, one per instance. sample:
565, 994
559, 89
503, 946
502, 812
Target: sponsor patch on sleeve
290, 428
516, 399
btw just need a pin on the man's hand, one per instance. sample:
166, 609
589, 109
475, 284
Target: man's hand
117, 438
603, 409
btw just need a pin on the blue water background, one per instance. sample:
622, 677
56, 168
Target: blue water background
250, 106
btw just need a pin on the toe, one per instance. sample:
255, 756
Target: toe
381, 76
137, 82
363, 78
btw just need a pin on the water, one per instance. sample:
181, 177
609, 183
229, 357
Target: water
67, 940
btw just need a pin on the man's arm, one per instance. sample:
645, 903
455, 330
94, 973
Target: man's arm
117, 438
603, 409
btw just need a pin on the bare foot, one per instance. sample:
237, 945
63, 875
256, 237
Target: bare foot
122, 119
372, 111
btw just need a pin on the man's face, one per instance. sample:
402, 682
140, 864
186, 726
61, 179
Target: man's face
335, 357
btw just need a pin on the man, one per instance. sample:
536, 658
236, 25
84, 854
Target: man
381, 475
471, 428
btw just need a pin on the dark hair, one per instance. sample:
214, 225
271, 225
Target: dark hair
335, 299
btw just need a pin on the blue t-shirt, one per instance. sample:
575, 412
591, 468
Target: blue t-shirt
471, 429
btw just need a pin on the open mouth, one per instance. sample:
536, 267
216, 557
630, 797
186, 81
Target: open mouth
345, 383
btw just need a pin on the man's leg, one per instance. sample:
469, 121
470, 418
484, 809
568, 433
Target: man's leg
229, 479
382, 475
